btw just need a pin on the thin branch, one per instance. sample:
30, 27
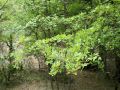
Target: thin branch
7, 44
4, 5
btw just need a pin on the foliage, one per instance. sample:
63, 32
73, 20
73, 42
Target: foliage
69, 34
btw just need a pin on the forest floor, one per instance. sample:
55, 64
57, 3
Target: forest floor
85, 80
40, 80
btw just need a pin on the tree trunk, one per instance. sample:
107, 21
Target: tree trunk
117, 76
65, 7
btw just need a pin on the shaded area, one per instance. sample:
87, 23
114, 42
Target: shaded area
34, 80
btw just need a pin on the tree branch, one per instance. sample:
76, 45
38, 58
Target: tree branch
3, 5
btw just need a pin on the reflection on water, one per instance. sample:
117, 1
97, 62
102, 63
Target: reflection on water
83, 81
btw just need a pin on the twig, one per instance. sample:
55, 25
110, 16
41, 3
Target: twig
4, 5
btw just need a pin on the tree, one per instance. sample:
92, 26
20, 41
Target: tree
74, 35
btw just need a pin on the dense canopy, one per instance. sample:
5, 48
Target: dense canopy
70, 34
